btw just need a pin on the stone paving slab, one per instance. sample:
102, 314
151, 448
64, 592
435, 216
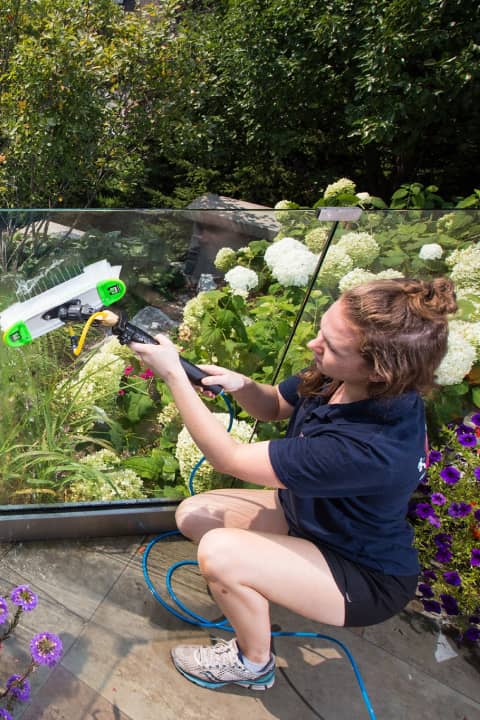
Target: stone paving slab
413, 638
65, 697
75, 574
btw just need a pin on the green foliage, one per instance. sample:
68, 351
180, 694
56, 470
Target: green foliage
276, 98
255, 100
82, 91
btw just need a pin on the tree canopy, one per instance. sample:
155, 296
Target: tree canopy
258, 99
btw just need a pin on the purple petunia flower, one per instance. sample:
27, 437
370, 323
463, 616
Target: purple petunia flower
450, 604
443, 555
432, 606
452, 578
450, 475
434, 520
476, 472
476, 419
434, 456
438, 499
476, 515
24, 598
472, 634
441, 539
5, 715
467, 439
18, 690
475, 557
424, 510
429, 574
3, 611
459, 509
425, 590
46, 649
475, 619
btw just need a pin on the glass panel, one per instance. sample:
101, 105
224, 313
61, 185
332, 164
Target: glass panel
86, 428
97, 426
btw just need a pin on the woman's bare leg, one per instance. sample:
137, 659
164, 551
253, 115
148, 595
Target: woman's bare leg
246, 509
245, 570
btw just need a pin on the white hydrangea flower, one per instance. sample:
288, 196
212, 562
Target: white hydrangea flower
281, 212
113, 484
466, 267
102, 459
470, 331
336, 264
340, 187
354, 278
431, 251
295, 268
168, 414
359, 276
388, 274
194, 311
242, 279
458, 361
290, 261
97, 382
364, 197
361, 246
188, 454
284, 205
445, 223
315, 238
225, 259
278, 249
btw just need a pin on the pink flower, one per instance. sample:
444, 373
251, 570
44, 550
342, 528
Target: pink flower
121, 392
128, 370
147, 374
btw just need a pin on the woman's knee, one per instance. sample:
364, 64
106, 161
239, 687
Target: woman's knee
195, 516
186, 516
217, 551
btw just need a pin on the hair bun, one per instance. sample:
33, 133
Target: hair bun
432, 300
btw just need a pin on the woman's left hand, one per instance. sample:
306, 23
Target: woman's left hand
163, 358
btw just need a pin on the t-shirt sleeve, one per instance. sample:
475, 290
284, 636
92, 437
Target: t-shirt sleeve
288, 389
329, 465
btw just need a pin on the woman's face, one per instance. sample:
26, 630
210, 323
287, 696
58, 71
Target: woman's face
336, 348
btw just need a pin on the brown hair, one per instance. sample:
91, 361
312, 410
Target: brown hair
403, 329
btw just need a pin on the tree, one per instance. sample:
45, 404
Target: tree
281, 97
82, 92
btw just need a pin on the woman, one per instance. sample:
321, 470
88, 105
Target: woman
330, 539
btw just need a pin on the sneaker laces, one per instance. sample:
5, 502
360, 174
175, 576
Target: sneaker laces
222, 653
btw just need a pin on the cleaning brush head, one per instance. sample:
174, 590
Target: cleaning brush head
97, 285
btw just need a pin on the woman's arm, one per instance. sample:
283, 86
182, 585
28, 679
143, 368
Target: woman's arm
249, 462
261, 401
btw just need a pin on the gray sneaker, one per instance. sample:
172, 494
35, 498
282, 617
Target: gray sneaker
217, 665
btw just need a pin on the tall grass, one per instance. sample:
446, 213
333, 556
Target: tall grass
41, 431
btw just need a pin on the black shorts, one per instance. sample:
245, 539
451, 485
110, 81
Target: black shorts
370, 596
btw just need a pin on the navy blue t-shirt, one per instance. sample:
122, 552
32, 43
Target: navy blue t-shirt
349, 470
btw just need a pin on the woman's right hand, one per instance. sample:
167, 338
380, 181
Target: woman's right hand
230, 381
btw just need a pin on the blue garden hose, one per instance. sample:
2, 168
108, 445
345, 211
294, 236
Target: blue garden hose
192, 618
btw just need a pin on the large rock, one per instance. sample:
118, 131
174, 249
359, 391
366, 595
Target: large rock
223, 222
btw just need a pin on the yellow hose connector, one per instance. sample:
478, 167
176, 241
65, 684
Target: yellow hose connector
81, 342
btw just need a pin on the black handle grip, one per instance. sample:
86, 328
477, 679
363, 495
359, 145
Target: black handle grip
127, 333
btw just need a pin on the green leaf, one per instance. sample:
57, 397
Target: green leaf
458, 389
476, 396
138, 406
